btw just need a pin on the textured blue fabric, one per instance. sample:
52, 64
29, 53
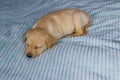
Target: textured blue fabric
95, 56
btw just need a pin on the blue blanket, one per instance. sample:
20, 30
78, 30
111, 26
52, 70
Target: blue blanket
95, 56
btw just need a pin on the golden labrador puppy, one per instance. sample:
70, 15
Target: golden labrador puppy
53, 26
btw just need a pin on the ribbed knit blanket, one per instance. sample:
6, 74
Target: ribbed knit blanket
95, 56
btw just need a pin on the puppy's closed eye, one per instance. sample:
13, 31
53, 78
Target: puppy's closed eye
37, 47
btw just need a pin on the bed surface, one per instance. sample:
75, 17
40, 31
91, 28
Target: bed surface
95, 56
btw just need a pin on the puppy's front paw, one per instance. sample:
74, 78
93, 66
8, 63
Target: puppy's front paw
78, 33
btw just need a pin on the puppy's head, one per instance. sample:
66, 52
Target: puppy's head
37, 41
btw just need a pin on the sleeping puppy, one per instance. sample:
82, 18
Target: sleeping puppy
53, 26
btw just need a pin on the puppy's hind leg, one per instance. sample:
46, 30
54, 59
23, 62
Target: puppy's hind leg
79, 28
80, 32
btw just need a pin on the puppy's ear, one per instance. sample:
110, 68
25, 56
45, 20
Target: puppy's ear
24, 39
25, 36
50, 41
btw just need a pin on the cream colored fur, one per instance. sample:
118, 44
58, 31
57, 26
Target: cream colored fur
53, 26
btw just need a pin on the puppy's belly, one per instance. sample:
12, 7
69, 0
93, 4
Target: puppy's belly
68, 30
65, 24
60, 30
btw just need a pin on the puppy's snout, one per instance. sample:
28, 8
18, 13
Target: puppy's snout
29, 55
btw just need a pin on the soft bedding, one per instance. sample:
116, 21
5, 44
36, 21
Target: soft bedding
95, 56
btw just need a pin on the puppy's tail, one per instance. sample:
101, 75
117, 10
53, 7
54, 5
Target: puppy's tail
89, 23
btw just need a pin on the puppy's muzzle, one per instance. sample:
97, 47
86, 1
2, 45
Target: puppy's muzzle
29, 55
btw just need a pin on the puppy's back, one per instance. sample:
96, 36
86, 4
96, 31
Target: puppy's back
59, 22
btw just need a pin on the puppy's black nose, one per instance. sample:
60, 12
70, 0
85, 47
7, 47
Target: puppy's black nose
29, 55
